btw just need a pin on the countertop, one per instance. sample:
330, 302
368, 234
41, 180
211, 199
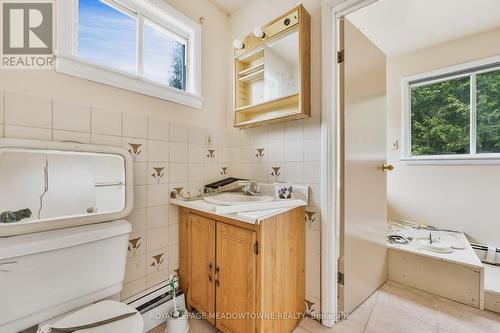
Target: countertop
254, 217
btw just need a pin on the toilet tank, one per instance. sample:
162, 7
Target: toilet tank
47, 185
41, 273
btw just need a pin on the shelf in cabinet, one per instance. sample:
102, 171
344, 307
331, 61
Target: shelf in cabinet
251, 70
286, 107
253, 76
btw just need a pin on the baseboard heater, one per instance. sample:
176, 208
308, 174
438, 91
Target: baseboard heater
155, 306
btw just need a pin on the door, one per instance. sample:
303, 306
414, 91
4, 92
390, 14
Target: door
201, 294
363, 194
235, 277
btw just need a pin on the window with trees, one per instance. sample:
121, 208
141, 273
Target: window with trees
454, 115
143, 46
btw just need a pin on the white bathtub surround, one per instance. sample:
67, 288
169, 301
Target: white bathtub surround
457, 275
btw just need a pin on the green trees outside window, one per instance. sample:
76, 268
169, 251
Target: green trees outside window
442, 114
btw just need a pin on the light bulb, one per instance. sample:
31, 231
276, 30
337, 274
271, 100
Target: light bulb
258, 32
238, 44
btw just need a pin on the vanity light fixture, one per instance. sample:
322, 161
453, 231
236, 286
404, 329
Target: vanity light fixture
238, 44
258, 32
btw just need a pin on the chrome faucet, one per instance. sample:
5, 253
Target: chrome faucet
253, 190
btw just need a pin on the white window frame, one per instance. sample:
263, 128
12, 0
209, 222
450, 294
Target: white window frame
157, 11
436, 76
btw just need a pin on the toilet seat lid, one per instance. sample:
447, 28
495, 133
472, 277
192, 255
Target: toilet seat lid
110, 316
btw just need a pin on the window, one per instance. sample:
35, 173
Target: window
453, 114
144, 46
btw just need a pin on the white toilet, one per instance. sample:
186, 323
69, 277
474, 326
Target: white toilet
60, 263
41, 274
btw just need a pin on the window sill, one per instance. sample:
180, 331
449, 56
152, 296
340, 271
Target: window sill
75, 66
453, 160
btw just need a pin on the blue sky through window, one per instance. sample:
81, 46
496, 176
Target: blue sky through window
106, 36
161, 51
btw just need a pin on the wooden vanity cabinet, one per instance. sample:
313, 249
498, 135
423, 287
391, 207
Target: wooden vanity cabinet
253, 272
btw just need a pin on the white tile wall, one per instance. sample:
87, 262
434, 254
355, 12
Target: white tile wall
135, 126
158, 129
294, 148
22, 132
106, 122
25, 110
172, 155
60, 135
71, 117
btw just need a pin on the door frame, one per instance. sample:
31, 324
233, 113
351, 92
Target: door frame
331, 11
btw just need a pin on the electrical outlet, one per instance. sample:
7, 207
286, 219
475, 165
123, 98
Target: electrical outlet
395, 145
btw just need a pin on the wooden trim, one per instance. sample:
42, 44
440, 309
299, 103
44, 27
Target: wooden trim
183, 250
305, 61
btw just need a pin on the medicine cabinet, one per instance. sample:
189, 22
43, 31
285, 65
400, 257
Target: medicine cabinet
272, 72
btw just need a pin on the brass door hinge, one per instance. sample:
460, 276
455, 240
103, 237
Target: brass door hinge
340, 278
340, 56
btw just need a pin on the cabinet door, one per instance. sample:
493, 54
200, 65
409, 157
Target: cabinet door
201, 293
235, 277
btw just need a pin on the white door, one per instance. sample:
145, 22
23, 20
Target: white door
363, 192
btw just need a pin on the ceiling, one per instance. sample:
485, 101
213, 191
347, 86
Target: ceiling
229, 6
402, 26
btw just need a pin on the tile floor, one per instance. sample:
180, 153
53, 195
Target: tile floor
396, 308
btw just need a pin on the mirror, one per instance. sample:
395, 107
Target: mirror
270, 73
41, 185
281, 67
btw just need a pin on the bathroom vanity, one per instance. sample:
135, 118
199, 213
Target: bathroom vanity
232, 267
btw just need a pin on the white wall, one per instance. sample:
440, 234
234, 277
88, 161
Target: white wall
458, 197
215, 50
294, 147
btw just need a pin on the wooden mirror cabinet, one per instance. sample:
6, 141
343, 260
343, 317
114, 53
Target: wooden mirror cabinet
272, 73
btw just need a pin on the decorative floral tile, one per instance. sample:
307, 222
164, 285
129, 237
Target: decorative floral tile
312, 217
157, 173
157, 261
137, 148
276, 171
224, 171
260, 154
134, 244
179, 190
313, 307
210, 154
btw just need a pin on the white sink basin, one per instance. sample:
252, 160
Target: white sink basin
231, 199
